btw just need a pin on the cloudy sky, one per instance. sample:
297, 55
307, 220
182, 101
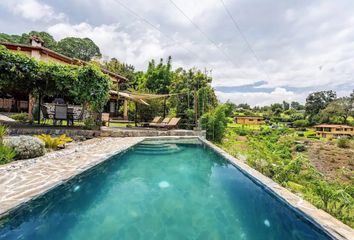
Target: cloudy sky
294, 47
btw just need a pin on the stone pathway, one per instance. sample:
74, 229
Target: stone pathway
23, 180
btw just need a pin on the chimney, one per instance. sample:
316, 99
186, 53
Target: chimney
36, 41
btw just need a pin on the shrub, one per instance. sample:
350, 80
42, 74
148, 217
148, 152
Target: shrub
21, 117
301, 123
301, 134
295, 117
90, 124
300, 148
241, 132
54, 142
343, 143
3, 132
25, 146
215, 123
7, 154
312, 136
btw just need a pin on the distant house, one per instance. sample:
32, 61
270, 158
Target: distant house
249, 120
334, 130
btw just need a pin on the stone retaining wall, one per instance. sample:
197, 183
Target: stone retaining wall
105, 132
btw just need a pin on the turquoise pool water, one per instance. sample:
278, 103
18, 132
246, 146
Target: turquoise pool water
159, 191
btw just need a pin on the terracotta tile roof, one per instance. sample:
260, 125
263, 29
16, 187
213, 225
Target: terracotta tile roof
56, 55
333, 126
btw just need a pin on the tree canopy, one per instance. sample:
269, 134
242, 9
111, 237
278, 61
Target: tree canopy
80, 48
338, 111
317, 101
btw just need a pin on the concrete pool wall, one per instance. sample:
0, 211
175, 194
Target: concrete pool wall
23, 181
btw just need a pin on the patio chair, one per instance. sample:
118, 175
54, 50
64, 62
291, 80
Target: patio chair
172, 124
60, 113
45, 113
155, 121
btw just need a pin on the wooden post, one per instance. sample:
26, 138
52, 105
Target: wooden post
39, 108
196, 108
164, 107
31, 102
136, 115
125, 110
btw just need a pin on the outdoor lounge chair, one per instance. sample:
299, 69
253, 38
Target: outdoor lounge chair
155, 121
161, 124
172, 123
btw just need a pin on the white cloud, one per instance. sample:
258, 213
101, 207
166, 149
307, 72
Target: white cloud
115, 41
33, 10
261, 98
302, 45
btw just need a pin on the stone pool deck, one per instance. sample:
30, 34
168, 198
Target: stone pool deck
24, 180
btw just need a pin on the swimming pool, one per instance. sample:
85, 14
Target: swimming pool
159, 190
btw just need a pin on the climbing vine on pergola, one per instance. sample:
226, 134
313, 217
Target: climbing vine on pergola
86, 83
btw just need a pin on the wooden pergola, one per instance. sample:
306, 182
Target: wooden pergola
138, 98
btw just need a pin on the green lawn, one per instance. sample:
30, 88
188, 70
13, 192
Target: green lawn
247, 127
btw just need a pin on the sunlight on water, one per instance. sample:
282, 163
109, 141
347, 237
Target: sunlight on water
164, 184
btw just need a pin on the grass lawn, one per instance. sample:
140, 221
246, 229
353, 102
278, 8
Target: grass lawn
115, 124
247, 127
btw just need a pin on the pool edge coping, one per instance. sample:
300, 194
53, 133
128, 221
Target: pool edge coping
332, 226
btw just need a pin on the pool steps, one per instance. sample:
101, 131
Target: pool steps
152, 149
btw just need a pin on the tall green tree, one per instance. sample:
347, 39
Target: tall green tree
215, 123
277, 109
49, 41
286, 105
296, 105
125, 70
338, 110
318, 101
80, 48
189, 85
158, 77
